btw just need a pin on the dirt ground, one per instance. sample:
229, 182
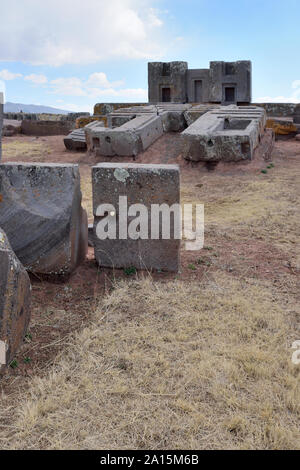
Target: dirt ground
250, 264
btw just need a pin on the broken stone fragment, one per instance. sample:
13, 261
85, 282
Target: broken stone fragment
41, 213
15, 293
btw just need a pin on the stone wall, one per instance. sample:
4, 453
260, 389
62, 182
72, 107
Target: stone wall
40, 128
278, 109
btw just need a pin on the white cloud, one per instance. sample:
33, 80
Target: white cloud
153, 19
296, 84
294, 97
36, 79
99, 79
76, 108
68, 86
56, 32
7, 75
96, 86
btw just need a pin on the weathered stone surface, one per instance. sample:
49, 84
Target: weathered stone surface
41, 213
282, 126
229, 133
11, 127
167, 82
85, 120
193, 113
297, 114
41, 128
266, 145
277, 109
223, 83
230, 82
76, 140
129, 139
1, 123
101, 109
142, 184
15, 294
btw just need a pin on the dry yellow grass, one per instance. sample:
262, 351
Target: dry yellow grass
34, 151
169, 366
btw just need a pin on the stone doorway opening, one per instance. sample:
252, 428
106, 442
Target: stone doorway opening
166, 94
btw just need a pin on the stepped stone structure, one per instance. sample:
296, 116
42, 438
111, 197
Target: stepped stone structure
223, 83
15, 294
41, 213
140, 184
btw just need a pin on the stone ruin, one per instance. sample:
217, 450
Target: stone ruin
223, 83
43, 227
186, 101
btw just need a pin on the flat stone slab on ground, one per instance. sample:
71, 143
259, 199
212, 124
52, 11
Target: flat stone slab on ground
41, 213
15, 294
142, 184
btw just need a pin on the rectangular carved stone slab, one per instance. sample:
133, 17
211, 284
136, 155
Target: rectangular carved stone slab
41, 213
131, 138
142, 184
15, 294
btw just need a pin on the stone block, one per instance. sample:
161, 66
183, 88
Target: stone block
296, 115
15, 294
230, 133
141, 184
282, 126
129, 139
42, 128
41, 213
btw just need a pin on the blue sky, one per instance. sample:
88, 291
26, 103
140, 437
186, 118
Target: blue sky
72, 54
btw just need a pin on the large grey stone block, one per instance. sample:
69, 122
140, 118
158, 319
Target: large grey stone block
15, 294
131, 138
229, 133
41, 213
142, 184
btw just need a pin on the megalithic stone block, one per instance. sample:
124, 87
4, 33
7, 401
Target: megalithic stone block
41, 213
15, 293
146, 185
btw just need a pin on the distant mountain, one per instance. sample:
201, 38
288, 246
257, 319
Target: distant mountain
32, 108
